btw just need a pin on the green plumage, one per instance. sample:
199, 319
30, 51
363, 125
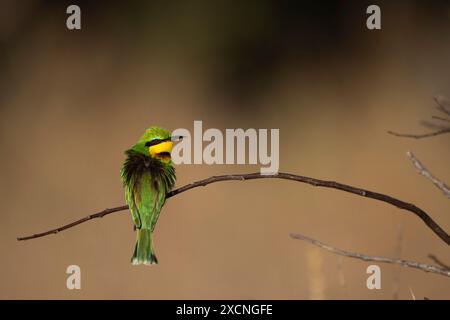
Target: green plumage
146, 180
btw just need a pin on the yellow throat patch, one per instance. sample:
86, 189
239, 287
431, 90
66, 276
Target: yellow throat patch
160, 150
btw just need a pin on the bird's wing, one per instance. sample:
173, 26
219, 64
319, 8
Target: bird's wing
129, 197
161, 199
165, 186
146, 199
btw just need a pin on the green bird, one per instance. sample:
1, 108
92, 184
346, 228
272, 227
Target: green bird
147, 175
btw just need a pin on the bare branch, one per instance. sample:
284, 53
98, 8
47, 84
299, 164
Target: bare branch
423, 171
100, 214
438, 261
400, 262
433, 125
287, 176
440, 118
420, 136
442, 105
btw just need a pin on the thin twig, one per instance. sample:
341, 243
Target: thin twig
441, 106
403, 263
420, 136
441, 119
433, 125
427, 174
438, 261
100, 214
287, 176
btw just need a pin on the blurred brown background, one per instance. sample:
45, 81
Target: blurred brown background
72, 101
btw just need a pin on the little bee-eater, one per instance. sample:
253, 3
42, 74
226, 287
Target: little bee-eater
147, 175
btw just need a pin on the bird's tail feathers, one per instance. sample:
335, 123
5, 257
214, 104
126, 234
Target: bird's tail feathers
143, 251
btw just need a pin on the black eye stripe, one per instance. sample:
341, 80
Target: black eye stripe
154, 142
